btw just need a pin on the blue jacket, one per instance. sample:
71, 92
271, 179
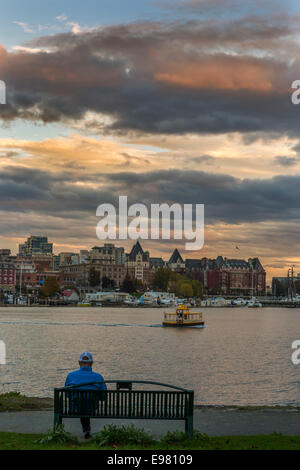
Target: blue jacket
83, 375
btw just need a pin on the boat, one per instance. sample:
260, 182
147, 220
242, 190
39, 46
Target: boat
253, 303
183, 317
240, 302
218, 302
84, 304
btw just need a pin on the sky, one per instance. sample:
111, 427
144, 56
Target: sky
183, 101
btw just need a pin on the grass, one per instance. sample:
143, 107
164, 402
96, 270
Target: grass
130, 438
14, 401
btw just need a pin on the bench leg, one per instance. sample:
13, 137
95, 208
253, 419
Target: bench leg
189, 426
57, 420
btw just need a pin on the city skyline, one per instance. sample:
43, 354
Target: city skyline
110, 266
47, 247
177, 102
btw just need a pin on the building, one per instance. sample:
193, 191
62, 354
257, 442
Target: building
35, 279
156, 263
36, 262
138, 265
5, 253
229, 276
69, 295
7, 277
109, 253
176, 262
194, 268
65, 258
79, 275
35, 245
83, 256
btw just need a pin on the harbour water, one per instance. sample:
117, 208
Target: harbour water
241, 357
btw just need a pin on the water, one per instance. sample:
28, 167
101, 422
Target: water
242, 357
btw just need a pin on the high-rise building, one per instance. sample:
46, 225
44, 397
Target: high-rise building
35, 245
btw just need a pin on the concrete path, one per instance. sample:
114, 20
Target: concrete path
211, 421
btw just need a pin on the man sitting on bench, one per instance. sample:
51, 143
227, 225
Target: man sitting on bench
84, 375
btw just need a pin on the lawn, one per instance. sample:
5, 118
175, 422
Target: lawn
13, 441
128, 437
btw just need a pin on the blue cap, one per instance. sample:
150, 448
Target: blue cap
86, 357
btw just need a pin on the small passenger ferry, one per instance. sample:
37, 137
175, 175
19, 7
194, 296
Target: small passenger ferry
183, 317
84, 304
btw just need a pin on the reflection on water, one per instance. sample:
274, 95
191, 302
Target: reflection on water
242, 357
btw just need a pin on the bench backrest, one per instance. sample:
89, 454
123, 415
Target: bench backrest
120, 403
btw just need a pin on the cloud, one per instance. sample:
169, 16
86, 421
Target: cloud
197, 77
77, 153
230, 7
286, 161
76, 28
239, 212
186, 96
62, 17
205, 159
227, 199
25, 26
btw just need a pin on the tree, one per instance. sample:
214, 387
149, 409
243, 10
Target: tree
128, 285
161, 279
186, 289
174, 282
197, 288
41, 293
51, 287
138, 284
108, 283
94, 277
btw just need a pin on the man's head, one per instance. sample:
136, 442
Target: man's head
85, 359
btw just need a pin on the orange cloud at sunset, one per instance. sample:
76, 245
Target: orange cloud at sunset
219, 74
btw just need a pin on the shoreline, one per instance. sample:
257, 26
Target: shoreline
121, 305
13, 401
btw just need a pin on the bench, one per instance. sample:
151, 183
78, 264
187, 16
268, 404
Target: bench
125, 403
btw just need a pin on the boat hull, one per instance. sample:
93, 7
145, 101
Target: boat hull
181, 325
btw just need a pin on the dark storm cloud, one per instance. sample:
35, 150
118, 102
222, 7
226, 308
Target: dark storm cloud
25, 189
206, 7
199, 77
226, 198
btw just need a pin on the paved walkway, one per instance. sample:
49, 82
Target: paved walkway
211, 421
